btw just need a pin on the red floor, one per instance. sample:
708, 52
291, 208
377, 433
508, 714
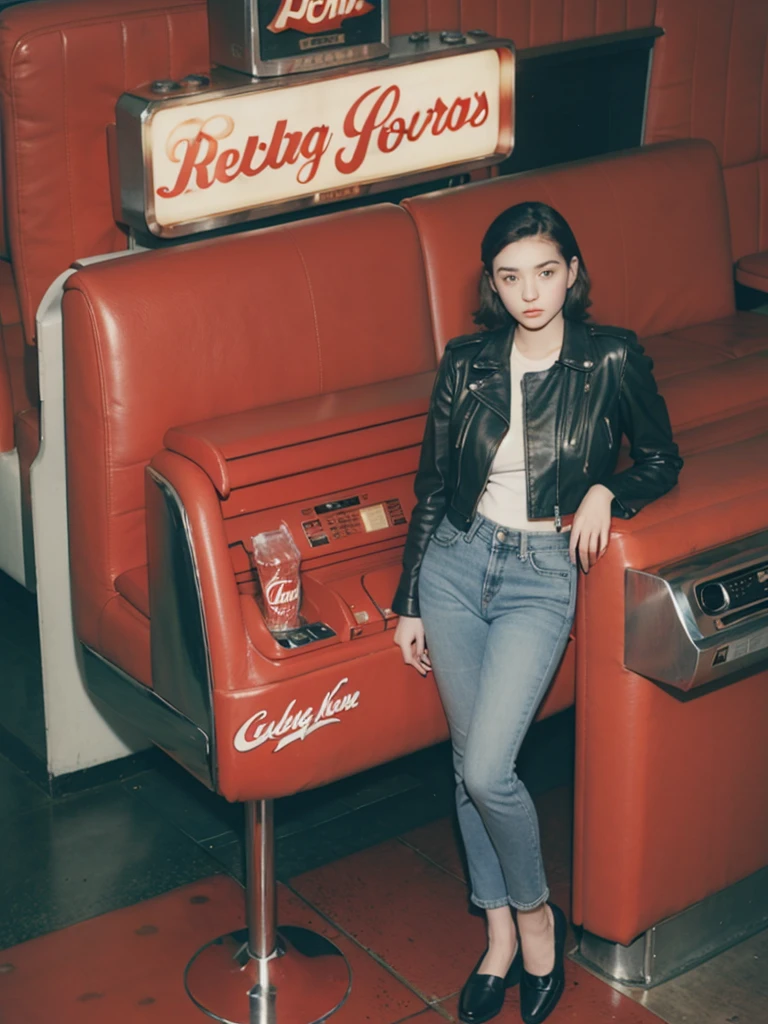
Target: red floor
398, 911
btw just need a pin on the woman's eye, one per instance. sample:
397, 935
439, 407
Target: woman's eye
509, 279
547, 273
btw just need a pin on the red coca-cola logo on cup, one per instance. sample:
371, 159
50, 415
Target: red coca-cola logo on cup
277, 593
314, 16
277, 561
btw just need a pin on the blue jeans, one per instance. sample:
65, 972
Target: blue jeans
497, 606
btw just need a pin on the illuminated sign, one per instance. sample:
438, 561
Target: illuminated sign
197, 162
280, 37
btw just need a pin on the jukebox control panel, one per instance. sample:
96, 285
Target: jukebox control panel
735, 595
350, 544
710, 611
349, 517
331, 525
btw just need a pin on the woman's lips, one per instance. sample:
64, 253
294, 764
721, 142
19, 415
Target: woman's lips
532, 312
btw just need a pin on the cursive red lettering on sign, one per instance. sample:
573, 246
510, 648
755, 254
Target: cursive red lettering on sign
372, 122
313, 16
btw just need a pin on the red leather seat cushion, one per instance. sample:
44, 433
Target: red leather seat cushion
752, 271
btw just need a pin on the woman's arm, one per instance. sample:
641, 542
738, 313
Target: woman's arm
645, 421
430, 486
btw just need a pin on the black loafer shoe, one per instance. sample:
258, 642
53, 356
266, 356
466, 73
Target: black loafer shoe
483, 994
539, 994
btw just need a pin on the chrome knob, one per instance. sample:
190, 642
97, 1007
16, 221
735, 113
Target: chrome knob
714, 598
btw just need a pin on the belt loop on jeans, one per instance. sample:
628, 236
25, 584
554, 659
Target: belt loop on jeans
473, 527
523, 545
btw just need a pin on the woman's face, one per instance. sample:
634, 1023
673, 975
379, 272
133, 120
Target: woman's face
531, 278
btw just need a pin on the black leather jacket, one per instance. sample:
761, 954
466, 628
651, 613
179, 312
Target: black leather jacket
575, 413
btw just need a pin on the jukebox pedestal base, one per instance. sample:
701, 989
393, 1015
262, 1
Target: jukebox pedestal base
684, 940
258, 975
302, 982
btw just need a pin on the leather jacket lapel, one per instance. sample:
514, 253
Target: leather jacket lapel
493, 387
577, 351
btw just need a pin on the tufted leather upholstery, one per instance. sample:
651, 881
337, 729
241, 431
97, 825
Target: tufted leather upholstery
709, 81
62, 68
528, 22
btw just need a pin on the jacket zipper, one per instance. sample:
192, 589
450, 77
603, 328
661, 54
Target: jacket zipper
608, 428
465, 426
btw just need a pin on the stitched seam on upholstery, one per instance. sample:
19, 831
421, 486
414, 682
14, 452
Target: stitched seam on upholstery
728, 78
760, 236
314, 317
147, 12
17, 190
22, 279
124, 51
693, 73
107, 433
169, 38
67, 147
727, 413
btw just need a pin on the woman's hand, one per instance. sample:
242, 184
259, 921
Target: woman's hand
409, 637
591, 526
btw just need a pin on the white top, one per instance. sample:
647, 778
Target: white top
504, 498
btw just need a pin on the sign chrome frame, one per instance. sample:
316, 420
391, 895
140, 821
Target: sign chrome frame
134, 112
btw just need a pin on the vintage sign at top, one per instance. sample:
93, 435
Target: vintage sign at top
216, 156
280, 37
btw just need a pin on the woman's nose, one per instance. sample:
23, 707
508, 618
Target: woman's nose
530, 291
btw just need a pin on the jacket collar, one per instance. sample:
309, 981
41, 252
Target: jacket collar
576, 353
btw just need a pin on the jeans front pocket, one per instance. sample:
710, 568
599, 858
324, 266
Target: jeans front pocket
551, 562
445, 533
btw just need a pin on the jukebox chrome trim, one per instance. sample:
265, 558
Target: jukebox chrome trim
235, 20
181, 658
134, 112
663, 602
150, 713
681, 942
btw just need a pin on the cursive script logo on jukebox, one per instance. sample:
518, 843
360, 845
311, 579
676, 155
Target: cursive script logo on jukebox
312, 16
274, 146
295, 724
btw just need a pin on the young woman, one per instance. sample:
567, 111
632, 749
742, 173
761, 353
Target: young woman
523, 429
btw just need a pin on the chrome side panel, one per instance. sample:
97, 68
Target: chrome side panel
154, 716
681, 942
181, 669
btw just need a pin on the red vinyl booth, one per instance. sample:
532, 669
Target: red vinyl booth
260, 374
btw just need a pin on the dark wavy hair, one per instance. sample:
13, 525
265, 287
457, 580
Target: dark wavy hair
529, 220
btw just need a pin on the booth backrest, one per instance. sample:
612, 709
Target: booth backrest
527, 22
709, 81
260, 318
63, 65
652, 225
